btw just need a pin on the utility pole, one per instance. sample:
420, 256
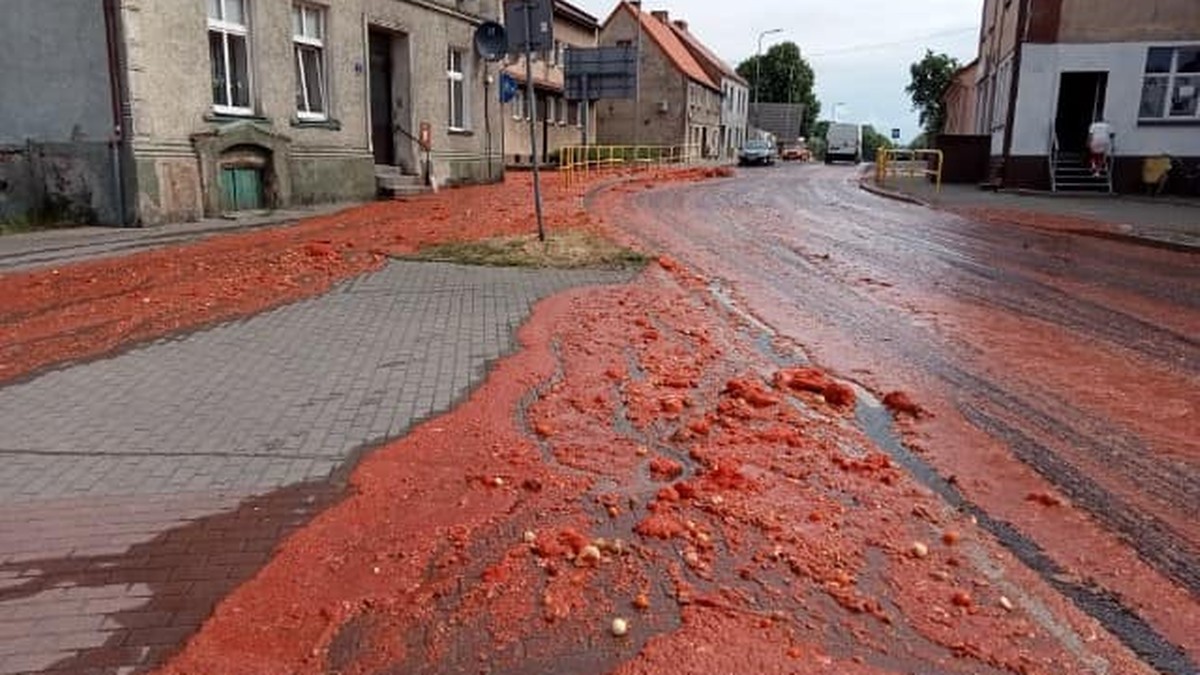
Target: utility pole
532, 96
637, 91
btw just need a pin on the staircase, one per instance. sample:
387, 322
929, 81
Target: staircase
391, 183
1071, 172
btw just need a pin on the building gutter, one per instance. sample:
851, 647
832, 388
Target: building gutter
118, 143
1011, 115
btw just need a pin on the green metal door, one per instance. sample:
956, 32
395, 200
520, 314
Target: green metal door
241, 189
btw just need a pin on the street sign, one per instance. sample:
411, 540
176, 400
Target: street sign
540, 20
895, 134
600, 72
509, 87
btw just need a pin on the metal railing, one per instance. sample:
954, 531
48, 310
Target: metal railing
910, 163
579, 162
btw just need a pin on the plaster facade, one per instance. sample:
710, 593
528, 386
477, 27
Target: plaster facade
558, 123
176, 162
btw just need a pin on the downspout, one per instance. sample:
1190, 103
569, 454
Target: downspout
119, 138
1011, 116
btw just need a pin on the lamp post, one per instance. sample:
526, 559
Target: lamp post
758, 63
837, 105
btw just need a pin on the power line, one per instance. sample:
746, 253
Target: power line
894, 43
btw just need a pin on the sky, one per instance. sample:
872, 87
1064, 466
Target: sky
860, 50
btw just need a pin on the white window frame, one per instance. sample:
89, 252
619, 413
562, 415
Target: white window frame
1170, 77
305, 39
520, 110
460, 79
562, 109
227, 28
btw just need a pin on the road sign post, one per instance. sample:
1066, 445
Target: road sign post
539, 14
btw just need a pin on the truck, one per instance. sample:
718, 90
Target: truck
843, 142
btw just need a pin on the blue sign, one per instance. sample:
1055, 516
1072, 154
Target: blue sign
895, 134
508, 87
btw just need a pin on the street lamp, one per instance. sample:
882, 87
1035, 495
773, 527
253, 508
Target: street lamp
837, 105
758, 60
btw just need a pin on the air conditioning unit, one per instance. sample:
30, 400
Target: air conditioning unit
664, 107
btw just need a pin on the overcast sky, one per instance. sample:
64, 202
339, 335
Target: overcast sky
859, 49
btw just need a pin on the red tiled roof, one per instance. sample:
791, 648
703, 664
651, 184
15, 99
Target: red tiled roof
664, 36
703, 53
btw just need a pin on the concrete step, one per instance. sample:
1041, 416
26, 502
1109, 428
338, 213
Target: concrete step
396, 184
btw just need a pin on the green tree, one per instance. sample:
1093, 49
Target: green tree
872, 141
784, 77
931, 76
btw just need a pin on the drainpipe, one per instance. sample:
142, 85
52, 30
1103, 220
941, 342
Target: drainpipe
1011, 116
118, 140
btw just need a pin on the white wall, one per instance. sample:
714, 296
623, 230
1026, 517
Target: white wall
1125, 62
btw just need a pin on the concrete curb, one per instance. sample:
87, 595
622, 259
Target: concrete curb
865, 185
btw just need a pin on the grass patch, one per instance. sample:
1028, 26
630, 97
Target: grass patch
561, 250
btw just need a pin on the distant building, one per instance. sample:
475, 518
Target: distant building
960, 100
560, 122
678, 104
162, 110
1049, 68
735, 91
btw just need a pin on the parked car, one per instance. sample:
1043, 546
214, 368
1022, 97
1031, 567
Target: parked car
757, 151
794, 153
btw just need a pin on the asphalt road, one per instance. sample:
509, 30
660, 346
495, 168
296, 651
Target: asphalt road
1061, 373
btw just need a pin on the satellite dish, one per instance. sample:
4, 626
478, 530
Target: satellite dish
491, 41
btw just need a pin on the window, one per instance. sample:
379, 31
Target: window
229, 50
550, 101
1171, 85
308, 38
562, 112
575, 113
520, 111
456, 77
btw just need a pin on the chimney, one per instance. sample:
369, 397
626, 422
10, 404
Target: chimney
661, 15
681, 25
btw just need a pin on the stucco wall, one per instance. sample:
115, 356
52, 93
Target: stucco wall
54, 83
660, 82
553, 136
171, 96
56, 120
1124, 62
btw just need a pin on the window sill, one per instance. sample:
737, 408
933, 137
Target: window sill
226, 117
1167, 122
460, 132
330, 124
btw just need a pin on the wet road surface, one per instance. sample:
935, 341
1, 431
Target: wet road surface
1060, 373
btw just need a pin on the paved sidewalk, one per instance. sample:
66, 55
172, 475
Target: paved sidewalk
136, 491
1171, 221
57, 245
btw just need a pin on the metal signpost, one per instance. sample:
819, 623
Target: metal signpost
531, 23
599, 72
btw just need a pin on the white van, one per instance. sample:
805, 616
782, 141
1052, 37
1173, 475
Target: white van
843, 142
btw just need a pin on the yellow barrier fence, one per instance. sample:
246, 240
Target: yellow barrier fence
910, 163
579, 162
